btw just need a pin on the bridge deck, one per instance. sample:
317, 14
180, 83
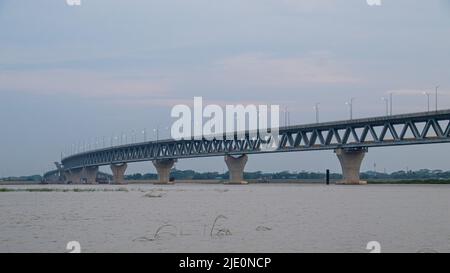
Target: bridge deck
404, 129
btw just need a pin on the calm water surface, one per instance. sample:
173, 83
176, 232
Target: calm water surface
249, 218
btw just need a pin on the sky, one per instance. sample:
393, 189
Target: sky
75, 74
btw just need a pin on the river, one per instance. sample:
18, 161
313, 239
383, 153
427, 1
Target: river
226, 218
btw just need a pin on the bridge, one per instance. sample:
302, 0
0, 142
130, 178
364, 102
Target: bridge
58, 176
349, 139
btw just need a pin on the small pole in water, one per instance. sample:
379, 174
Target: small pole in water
328, 177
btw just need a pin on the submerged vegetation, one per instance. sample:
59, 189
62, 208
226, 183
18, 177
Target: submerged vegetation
221, 231
153, 194
158, 233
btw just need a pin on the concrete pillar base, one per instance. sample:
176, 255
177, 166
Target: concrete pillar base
73, 176
118, 171
351, 160
236, 167
90, 173
163, 167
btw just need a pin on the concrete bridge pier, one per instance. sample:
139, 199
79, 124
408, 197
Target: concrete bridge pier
351, 160
236, 167
118, 171
163, 167
90, 173
73, 176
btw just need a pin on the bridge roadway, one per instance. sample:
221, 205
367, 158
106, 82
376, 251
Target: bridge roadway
350, 140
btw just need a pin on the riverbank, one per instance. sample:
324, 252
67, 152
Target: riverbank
272, 181
412, 181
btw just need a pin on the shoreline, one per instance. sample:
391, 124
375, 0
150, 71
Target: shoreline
250, 181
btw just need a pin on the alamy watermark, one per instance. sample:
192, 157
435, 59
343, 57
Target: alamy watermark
234, 121
73, 247
373, 2
78, 2
374, 247
73, 2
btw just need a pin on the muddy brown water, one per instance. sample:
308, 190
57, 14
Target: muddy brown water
226, 218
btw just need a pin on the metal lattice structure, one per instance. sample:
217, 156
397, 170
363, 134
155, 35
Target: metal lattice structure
407, 129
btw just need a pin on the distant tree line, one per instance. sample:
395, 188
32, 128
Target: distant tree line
193, 175
419, 174
31, 178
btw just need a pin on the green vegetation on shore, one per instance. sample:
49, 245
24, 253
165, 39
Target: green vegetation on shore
399, 177
411, 181
423, 174
61, 190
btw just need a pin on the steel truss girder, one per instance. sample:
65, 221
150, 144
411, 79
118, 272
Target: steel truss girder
421, 128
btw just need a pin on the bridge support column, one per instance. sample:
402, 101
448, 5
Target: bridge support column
118, 171
73, 176
236, 167
351, 160
90, 174
163, 167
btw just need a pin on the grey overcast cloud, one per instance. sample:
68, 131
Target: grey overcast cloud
74, 74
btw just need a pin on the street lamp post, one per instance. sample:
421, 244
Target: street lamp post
436, 97
144, 132
168, 131
390, 100
350, 104
316, 107
386, 102
133, 136
428, 100
156, 133
286, 116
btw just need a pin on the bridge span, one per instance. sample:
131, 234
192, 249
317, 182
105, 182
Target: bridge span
349, 139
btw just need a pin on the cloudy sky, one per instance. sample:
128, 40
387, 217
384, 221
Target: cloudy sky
74, 74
